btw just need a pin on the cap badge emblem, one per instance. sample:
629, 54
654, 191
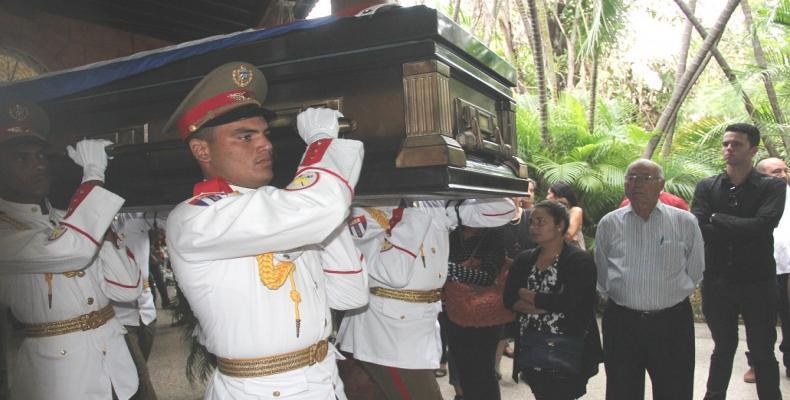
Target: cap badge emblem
242, 76
238, 96
18, 112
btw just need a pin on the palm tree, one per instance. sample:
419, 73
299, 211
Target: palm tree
686, 80
759, 56
540, 71
606, 22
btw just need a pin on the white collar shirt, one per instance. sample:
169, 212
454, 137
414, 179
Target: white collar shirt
782, 239
648, 265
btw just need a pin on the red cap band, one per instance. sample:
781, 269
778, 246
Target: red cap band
195, 117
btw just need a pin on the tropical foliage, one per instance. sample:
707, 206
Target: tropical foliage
602, 107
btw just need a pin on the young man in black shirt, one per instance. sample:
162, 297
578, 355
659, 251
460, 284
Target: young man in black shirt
737, 212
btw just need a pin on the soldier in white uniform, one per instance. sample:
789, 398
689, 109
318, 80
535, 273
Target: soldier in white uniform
261, 266
137, 316
396, 337
59, 270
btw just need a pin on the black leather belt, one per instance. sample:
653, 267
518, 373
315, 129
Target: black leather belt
648, 314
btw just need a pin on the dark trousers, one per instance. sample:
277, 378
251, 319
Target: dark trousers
784, 316
783, 311
474, 355
722, 303
661, 343
158, 277
402, 384
443, 335
140, 339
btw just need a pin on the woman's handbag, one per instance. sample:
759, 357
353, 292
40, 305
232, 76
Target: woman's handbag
552, 352
478, 306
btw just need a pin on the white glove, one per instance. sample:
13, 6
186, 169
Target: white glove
91, 155
318, 123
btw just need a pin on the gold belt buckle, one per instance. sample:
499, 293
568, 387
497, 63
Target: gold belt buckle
318, 351
91, 320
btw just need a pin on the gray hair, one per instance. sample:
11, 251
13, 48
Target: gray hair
649, 163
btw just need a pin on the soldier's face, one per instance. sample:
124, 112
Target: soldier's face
240, 152
24, 172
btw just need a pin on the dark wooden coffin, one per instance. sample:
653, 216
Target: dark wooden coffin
433, 106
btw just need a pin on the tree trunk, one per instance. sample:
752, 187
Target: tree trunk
540, 71
494, 17
593, 93
727, 70
457, 11
759, 56
570, 80
677, 95
685, 42
542, 16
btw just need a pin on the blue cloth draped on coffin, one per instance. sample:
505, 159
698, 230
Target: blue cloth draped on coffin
75, 80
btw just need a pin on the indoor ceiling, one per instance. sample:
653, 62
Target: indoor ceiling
175, 20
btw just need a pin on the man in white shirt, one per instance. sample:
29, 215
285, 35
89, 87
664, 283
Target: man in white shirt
261, 266
650, 257
59, 270
777, 168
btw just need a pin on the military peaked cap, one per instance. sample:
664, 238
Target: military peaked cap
23, 120
230, 92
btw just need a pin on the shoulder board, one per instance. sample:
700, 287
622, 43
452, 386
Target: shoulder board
20, 226
207, 199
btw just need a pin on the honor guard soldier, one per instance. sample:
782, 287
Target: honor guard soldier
261, 266
138, 316
60, 270
396, 337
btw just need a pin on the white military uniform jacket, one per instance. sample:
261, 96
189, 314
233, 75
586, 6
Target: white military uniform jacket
83, 365
214, 240
133, 230
413, 255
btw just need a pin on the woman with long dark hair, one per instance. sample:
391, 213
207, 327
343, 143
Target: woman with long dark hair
563, 193
552, 288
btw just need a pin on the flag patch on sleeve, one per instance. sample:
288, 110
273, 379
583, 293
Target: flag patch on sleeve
207, 199
358, 225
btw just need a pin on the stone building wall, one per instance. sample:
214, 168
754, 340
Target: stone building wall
57, 42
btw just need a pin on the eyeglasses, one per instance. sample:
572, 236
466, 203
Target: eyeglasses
732, 198
643, 178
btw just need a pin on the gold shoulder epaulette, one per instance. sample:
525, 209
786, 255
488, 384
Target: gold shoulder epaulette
380, 216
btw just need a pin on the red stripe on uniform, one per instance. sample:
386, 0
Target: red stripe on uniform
335, 174
82, 192
497, 215
403, 250
331, 271
398, 382
125, 286
81, 231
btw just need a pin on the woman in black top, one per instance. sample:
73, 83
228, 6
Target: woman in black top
553, 289
476, 257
